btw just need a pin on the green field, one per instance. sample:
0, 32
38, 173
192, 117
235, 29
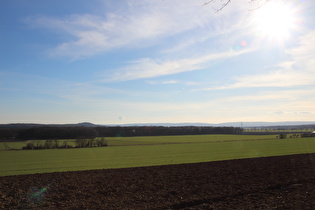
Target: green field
148, 140
114, 141
148, 151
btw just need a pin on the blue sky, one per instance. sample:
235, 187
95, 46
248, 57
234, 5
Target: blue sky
163, 61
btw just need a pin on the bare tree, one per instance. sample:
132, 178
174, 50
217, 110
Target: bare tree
224, 3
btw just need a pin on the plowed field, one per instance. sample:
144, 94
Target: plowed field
286, 182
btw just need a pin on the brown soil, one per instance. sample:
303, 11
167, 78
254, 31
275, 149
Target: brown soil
286, 182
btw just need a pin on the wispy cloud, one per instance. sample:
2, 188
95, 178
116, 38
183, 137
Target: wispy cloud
303, 55
149, 68
264, 105
169, 82
298, 70
25, 84
165, 82
280, 78
141, 23
280, 96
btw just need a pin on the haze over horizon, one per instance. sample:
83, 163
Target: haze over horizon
142, 61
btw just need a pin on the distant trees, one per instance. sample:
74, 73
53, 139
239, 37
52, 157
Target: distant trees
164, 131
48, 144
83, 142
81, 132
295, 135
98, 142
57, 133
6, 134
55, 144
101, 142
307, 135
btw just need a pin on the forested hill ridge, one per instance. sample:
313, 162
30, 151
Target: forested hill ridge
75, 132
262, 125
271, 125
22, 131
31, 125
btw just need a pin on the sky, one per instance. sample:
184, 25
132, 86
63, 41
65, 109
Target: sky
161, 61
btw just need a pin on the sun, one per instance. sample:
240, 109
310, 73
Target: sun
275, 21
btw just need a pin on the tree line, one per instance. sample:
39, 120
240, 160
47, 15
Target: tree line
57, 144
49, 132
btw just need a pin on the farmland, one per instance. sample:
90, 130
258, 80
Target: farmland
281, 182
126, 152
183, 172
151, 140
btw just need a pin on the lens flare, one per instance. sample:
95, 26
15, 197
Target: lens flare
238, 47
37, 195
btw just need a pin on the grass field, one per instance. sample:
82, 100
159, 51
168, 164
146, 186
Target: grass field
148, 151
183, 139
149, 140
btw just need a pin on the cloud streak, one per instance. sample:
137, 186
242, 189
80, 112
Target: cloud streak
298, 70
137, 24
150, 68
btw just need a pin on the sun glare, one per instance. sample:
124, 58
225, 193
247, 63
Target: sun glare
275, 21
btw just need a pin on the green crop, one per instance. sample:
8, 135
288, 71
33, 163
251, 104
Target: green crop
179, 149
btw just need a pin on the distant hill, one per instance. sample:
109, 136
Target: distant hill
228, 124
286, 124
267, 124
32, 125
